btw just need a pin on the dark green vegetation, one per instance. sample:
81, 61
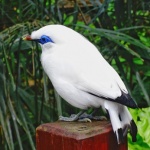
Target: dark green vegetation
120, 29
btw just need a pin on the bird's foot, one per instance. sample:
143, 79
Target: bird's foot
88, 117
73, 117
82, 117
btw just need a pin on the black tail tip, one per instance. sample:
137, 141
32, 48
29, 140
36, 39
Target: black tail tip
134, 130
119, 134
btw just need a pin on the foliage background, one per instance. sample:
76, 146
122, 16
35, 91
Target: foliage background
119, 28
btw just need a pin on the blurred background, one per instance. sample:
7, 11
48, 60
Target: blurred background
119, 28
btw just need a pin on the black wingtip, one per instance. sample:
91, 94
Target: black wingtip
133, 130
126, 99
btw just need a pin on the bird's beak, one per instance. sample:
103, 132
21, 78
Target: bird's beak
27, 38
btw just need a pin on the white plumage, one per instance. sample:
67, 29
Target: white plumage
83, 77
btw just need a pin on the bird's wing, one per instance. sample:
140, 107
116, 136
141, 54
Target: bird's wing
107, 92
90, 72
105, 84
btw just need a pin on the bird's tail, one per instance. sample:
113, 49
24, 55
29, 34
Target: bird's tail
121, 120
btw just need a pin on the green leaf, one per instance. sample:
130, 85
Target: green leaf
141, 118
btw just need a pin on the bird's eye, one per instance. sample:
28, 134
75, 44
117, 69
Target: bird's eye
45, 39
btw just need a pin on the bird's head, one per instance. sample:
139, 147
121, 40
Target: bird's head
42, 36
52, 35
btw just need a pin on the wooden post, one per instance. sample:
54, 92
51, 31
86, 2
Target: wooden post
97, 135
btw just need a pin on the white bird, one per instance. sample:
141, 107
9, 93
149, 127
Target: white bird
83, 77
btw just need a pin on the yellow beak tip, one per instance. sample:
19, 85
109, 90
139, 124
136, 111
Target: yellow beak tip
24, 38
27, 38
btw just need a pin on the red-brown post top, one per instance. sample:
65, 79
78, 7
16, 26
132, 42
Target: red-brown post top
97, 135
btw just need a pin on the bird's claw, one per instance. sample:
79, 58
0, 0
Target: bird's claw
91, 117
85, 120
73, 117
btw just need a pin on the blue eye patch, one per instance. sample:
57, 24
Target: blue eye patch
45, 39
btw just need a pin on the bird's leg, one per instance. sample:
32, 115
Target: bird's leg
100, 118
83, 117
88, 117
73, 117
